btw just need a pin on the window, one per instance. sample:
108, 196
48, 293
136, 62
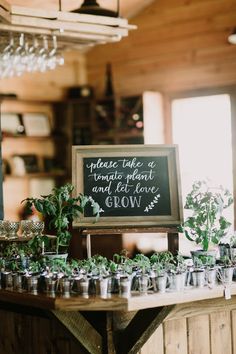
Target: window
201, 126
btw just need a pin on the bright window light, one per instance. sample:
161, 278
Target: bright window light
202, 130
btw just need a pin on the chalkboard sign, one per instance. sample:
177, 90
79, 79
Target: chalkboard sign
135, 185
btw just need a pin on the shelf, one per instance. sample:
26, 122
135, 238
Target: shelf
119, 134
18, 239
34, 138
113, 302
22, 239
38, 175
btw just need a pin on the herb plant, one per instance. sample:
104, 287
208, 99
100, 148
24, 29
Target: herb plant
60, 208
206, 224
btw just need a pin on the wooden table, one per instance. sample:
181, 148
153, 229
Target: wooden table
180, 323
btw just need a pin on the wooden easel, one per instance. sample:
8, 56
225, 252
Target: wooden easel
172, 235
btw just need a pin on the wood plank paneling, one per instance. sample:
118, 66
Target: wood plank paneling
175, 337
155, 344
27, 334
233, 330
220, 323
35, 331
178, 46
127, 7
198, 335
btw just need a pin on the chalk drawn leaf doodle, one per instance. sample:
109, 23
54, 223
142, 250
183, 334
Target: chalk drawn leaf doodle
151, 205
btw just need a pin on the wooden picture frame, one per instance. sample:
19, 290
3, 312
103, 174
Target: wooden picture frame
135, 185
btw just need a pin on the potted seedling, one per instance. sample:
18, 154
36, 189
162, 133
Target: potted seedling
59, 209
226, 270
143, 265
206, 225
101, 274
198, 273
177, 273
159, 262
122, 274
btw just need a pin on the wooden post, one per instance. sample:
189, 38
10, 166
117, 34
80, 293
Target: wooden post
88, 245
173, 242
1, 171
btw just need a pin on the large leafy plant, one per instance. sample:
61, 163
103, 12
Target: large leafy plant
206, 224
60, 208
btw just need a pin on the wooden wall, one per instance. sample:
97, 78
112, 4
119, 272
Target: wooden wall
179, 45
206, 327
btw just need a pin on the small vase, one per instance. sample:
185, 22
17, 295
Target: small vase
17, 281
161, 282
101, 287
144, 284
7, 281
177, 282
211, 277
65, 286
226, 275
32, 283
50, 283
198, 277
82, 286
125, 286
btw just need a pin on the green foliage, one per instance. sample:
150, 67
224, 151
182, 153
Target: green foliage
16, 250
36, 244
34, 266
60, 208
96, 265
161, 258
143, 262
225, 261
57, 265
206, 224
121, 262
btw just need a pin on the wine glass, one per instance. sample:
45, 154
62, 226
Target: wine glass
29, 55
36, 227
26, 228
11, 228
2, 230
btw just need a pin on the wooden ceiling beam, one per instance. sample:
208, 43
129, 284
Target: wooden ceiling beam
87, 29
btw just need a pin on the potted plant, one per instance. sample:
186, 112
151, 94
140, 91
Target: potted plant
143, 265
59, 208
206, 225
159, 263
226, 270
177, 269
121, 271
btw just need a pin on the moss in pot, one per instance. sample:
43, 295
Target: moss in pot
59, 209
